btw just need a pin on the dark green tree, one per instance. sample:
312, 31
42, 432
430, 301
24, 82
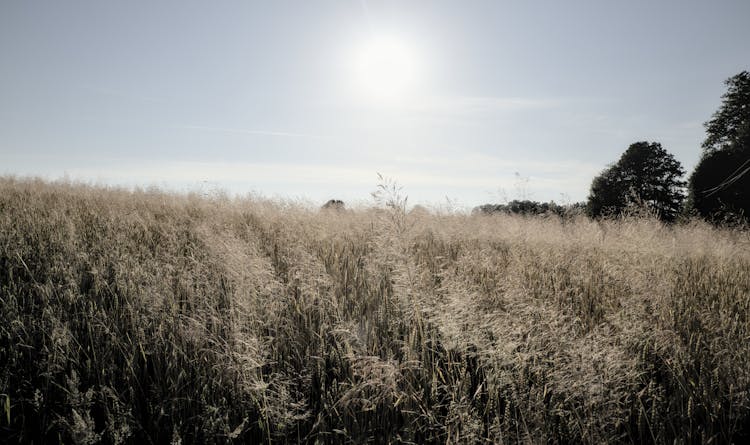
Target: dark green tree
608, 194
729, 128
645, 175
720, 185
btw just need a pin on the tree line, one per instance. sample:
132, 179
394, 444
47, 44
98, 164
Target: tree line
648, 177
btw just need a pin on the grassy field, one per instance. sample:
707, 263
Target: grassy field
147, 317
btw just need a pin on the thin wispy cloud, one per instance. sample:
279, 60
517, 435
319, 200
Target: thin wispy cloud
249, 131
224, 172
462, 105
413, 103
478, 162
440, 174
118, 93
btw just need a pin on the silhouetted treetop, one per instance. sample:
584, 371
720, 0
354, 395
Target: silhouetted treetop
720, 184
729, 128
645, 175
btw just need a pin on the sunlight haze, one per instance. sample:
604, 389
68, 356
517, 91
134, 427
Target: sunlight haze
473, 101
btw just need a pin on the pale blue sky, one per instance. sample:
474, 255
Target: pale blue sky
262, 96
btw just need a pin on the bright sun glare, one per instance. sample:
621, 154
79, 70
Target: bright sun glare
385, 69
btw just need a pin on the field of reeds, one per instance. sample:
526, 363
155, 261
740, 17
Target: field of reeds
149, 317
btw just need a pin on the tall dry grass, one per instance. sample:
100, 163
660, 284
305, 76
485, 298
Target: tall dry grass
147, 317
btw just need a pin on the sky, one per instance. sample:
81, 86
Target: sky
464, 102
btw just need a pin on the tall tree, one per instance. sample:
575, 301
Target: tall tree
645, 175
729, 127
720, 185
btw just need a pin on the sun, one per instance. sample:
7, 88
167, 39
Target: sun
385, 68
